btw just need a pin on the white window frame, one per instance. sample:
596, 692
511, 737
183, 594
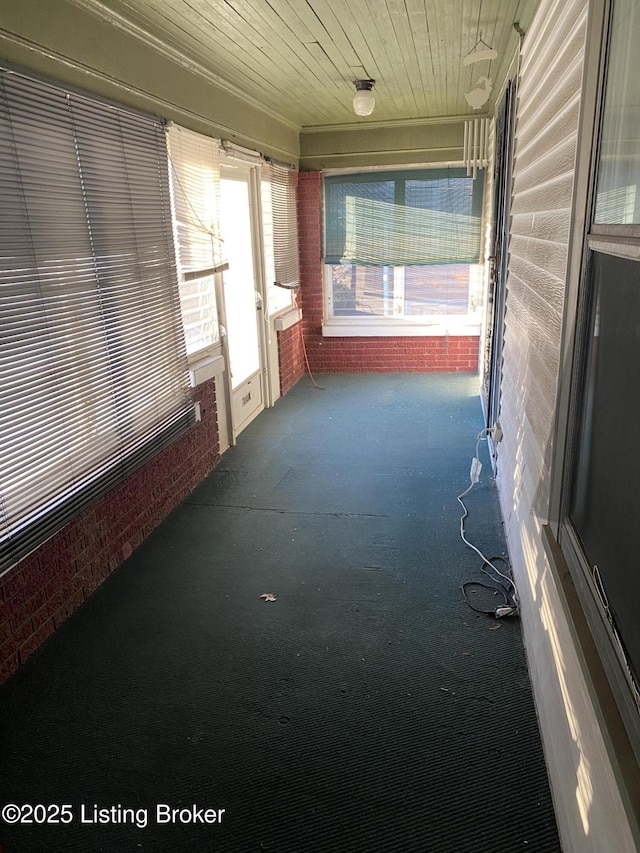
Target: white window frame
435, 325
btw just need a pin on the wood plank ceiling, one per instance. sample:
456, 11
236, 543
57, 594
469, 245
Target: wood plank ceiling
299, 58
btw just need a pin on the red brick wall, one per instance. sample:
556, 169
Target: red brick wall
291, 357
392, 355
362, 354
39, 593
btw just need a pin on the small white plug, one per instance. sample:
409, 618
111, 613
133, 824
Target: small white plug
476, 467
505, 610
495, 432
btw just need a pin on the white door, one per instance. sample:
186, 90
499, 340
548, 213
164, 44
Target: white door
241, 311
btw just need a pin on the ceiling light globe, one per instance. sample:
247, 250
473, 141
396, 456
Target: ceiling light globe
363, 103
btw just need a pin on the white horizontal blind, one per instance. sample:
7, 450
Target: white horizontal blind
92, 365
195, 181
285, 225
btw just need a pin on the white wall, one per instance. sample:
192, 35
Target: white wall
589, 807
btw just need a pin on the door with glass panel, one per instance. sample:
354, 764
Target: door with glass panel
240, 297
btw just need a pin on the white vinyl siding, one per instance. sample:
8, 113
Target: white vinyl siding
588, 803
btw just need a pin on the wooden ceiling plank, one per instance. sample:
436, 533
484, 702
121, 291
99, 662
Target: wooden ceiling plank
274, 69
367, 61
294, 19
188, 40
243, 21
452, 60
300, 57
300, 64
381, 70
420, 33
286, 12
335, 30
436, 41
334, 72
399, 15
388, 35
468, 38
213, 40
323, 45
392, 82
341, 95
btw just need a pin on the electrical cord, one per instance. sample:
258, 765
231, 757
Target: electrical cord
304, 349
502, 583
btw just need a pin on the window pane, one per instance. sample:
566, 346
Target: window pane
618, 194
195, 181
199, 313
349, 203
426, 216
436, 290
364, 291
604, 502
413, 291
239, 281
278, 298
92, 363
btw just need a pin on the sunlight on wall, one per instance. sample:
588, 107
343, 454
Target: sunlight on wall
539, 598
584, 787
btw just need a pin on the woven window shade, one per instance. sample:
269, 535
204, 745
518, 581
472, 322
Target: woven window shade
92, 367
403, 218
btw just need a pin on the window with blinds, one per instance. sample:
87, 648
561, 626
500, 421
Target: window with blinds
92, 366
403, 244
195, 184
280, 229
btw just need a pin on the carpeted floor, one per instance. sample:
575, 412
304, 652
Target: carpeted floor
368, 708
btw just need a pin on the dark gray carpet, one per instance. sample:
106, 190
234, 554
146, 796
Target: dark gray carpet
367, 709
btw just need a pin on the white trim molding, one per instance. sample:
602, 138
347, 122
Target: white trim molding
287, 320
206, 368
391, 327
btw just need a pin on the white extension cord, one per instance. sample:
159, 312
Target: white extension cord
510, 606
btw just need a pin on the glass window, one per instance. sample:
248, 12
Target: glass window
618, 189
607, 469
92, 365
407, 292
278, 298
402, 218
403, 247
195, 182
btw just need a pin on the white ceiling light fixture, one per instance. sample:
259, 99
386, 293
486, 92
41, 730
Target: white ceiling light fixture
364, 101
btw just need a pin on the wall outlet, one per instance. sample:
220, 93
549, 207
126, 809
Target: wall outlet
496, 432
